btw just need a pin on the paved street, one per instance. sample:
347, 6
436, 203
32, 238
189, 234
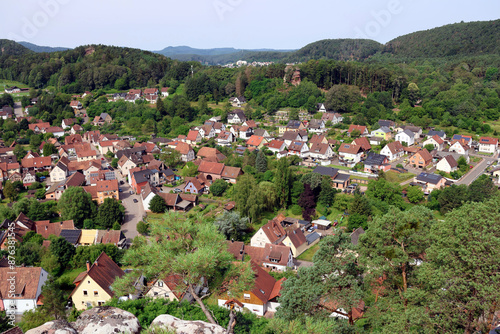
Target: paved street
18, 109
134, 212
477, 170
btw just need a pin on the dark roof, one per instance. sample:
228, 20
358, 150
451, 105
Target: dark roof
71, 236
294, 124
310, 238
375, 159
438, 133
14, 330
355, 235
328, 171
383, 122
429, 178
341, 178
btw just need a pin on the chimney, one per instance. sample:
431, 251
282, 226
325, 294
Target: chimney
88, 265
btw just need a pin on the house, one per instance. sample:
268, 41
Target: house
211, 170
140, 176
168, 288
383, 132
429, 182
210, 154
447, 164
243, 132
93, 287
151, 98
107, 189
340, 180
465, 140
250, 123
261, 298
131, 98
273, 257
350, 153
194, 186
55, 130
393, 151
363, 130
441, 134
231, 174
318, 139
421, 159
77, 105
186, 151
459, 147
102, 119
225, 138
363, 142
59, 172
321, 151
406, 136
298, 148
207, 131
290, 136
39, 127
237, 101
73, 139
276, 145
488, 145
386, 123
320, 107
164, 91
256, 142
23, 292
375, 162
417, 131
331, 117
270, 233
316, 126
21, 225
435, 141
29, 178
236, 117
38, 164
136, 92
295, 126
67, 123
296, 240
194, 137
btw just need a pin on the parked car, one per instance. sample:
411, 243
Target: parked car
121, 182
120, 190
131, 192
177, 190
135, 200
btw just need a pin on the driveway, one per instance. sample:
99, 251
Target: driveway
477, 170
134, 212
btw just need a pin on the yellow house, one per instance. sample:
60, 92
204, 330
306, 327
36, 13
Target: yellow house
296, 240
383, 132
87, 237
107, 189
166, 288
93, 287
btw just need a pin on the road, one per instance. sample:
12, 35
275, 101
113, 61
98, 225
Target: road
476, 171
18, 109
134, 212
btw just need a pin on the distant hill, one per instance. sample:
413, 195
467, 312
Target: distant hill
38, 49
458, 39
338, 49
11, 48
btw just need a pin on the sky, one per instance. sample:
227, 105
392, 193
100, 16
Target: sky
242, 24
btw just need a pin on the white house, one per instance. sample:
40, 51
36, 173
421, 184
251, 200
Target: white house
26, 286
276, 145
393, 151
298, 148
435, 141
316, 126
236, 117
448, 164
320, 151
458, 147
488, 144
321, 107
406, 136
350, 152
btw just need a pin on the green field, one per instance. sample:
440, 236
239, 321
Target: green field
397, 177
308, 254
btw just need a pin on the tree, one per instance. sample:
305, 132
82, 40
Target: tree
143, 228
19, 152
48, 149
114, 163
63, 250
54, 301
356, 220
282, 181
35, 142
334, 279
482, 189
189, 170
261, 162
293, 115
327, 194
307, 203
415, 194
452, 197
360, 205
429, 147
247, 197
342, 98
157, 204
188, 247
218, 187
232, 225
392, 248
463, 273
109, 212
77, 205
10, 191
171, 158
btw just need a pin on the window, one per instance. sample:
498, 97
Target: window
85, 293
246, 296
167, 295
88, 282
160, 283
155, 293
96, 293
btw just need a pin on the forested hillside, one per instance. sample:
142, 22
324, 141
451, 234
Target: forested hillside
38, 48
463, 39
11, 48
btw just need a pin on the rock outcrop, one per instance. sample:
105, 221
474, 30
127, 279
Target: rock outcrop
106, 320
53, 327
185, 326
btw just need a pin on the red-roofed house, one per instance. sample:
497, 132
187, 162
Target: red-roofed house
421, 159
194, 137
488, 144
435, 141
107, 189
276, 145
361, 128
271, 233
39, 164
211, 170
93, 287
186, 151
256, 141
25, 292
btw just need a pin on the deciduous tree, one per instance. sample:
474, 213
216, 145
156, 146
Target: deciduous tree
77, 205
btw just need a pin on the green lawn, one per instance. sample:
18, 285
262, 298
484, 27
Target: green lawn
308, 254
392, 176
340, 167
69, 275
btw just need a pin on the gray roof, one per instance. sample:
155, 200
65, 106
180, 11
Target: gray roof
440, 133
355, 235
429, 178
410, 133
144, 175
375, 159
328, 171
341, 178
383, 122
293, 124
71, 236
312, 237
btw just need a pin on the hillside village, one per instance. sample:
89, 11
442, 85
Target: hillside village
124, 169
